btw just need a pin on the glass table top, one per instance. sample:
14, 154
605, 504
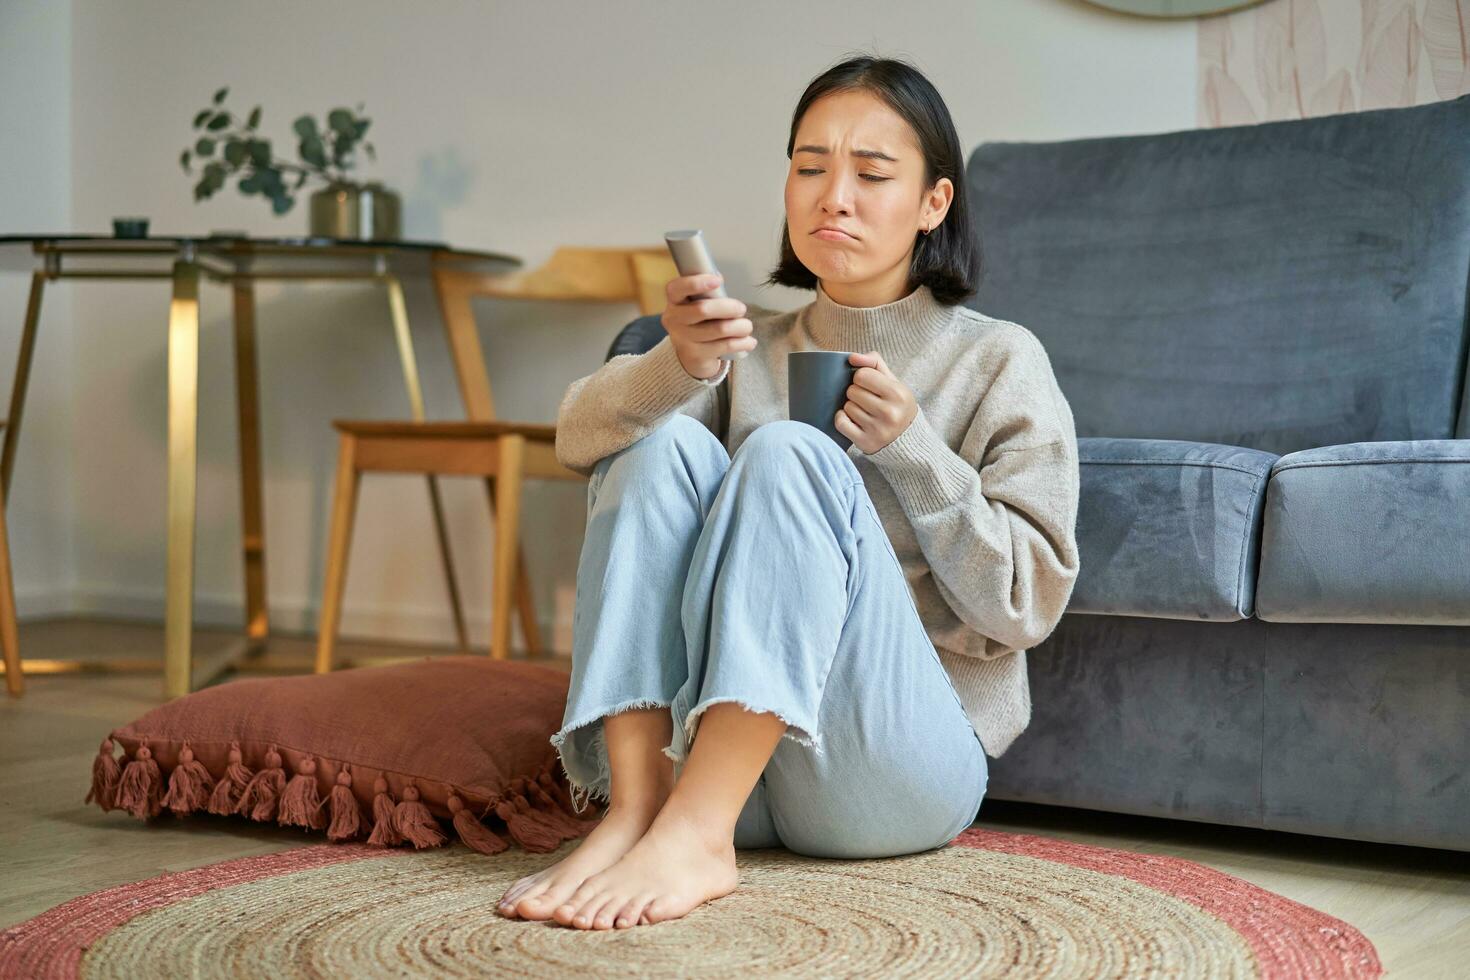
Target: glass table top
257, 255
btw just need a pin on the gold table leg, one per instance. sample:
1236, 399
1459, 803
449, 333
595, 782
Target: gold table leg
22, 378
182, 672
9, 639
401, 333
252, 520
183, 408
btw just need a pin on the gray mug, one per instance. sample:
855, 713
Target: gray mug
816, 387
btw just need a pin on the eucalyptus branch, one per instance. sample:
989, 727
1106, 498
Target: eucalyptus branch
326, 153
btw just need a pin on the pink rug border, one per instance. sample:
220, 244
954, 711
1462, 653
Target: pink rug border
50, 946
1290, 940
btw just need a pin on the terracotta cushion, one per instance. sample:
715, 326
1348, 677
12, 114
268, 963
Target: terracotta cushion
375, 753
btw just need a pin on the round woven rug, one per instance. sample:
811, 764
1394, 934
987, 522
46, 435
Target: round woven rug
989, 904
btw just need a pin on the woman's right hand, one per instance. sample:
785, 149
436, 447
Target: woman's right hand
703, 329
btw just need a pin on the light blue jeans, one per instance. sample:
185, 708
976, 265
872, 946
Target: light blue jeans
768, 580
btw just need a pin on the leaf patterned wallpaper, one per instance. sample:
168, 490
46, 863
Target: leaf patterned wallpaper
1289, 59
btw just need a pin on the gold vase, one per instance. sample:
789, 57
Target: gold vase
368, 212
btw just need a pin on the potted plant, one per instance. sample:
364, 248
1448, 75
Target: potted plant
227, 147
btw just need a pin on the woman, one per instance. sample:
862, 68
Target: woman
844, 631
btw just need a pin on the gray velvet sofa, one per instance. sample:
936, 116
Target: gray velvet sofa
1262, 333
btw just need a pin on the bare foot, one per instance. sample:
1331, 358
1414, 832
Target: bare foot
673, 868
537, 895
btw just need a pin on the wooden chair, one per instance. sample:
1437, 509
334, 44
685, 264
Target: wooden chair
9, 638
504, 453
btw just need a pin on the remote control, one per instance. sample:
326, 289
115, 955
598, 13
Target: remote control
691, 257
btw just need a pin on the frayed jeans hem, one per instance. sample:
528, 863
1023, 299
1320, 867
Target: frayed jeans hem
599, 786
801, 734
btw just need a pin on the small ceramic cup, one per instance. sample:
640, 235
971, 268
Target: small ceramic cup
816, 387
130, 227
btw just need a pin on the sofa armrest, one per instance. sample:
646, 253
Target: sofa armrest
1368, 532
1168, 528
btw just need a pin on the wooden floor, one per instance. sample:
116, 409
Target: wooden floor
1413, 903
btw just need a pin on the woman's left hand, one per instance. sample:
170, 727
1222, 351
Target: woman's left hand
879, 406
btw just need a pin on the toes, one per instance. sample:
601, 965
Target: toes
576, 903
603, 917
537, 905
630, 912
563, 913
583, 917
524, 886
513, 895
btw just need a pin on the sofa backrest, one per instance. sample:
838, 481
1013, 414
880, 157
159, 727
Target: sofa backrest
1279, 286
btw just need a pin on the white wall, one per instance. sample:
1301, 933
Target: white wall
512, 127
35, 195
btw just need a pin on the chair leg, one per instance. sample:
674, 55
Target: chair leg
441, 531
507, 540
344, 508
526, 606
9, 640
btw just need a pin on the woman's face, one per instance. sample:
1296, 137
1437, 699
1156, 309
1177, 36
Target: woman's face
856, 165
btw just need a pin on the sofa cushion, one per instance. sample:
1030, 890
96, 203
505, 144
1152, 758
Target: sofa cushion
1286, 285
1369, 532
1168, 528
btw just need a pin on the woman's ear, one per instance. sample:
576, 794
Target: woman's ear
940, 198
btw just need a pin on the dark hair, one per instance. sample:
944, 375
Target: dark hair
947, 260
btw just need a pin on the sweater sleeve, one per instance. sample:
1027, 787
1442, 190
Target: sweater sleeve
627, 398
999, 538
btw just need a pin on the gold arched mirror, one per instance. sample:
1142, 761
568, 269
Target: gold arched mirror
1174, 8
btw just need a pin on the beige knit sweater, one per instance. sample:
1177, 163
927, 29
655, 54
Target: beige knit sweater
978, 495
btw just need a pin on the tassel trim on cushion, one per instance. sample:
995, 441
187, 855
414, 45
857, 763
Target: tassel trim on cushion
472, 833
301, 804
262, 798
190, 784
231, 786
415, 822
105, 775
347, 819
385, 830
534, 811
528, 826
558, 806
140, 790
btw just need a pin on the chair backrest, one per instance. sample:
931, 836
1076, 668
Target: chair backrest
594, 275
603, 275
591, 274
1279, 286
